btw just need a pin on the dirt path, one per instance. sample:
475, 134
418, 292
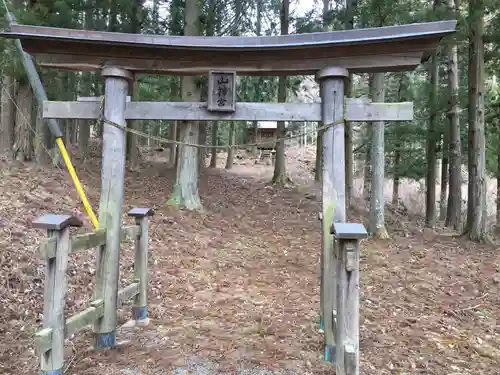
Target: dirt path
225, 285
237, 287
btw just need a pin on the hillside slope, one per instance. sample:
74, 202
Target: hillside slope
238, 286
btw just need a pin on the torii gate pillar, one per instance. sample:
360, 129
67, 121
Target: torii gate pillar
111, 203
331, 81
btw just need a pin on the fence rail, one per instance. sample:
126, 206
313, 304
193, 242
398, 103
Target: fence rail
86, 241
55, 250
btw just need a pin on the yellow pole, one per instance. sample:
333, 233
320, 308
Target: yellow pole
76, 182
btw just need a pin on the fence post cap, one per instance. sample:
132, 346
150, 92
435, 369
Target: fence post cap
56, 222
349, 231
141, 212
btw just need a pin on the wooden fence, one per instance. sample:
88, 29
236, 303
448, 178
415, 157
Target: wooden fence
55, 251
345, 320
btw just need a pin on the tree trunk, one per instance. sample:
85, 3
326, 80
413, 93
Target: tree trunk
367, 170
68, 131
319, 156
43, 139
454, 206
397, 168
185, 193
255, 124
23, 146
71, 90
377, 205
84, 126
213, 158
173, 125
398, 147
113, 15
133, 153
444, 176
133, 139
74, 133
172, 147
202, 141
155, 16
348, 135
64, 83
178, 126
235, 31
253, 138
430, 202
498, 174
348, 151
136, 16
230, 151
279, 175
319, 136
476, 205
8, 113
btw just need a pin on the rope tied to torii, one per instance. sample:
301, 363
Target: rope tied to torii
101, 119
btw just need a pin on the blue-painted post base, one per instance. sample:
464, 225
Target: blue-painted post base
52, 372
105, 340
140, 313
330, 351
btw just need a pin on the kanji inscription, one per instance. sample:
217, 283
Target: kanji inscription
222, 91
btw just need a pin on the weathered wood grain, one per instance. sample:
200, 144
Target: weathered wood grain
358, 38
384, 49
141, 268
221, 82
130, 232
111, 203
86, 241
54, 301
273, 66
84, 318
357, 110
76, 323
348, 237
333, 197
43, 341
347, 335
129, 291
95, 98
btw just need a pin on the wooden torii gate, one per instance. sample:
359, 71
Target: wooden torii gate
328, 55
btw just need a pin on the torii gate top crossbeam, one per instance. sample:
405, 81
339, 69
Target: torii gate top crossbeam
383, 49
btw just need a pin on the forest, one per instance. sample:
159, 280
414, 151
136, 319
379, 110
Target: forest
234, 246
455, 94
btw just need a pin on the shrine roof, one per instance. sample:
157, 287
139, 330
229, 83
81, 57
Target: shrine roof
391, 48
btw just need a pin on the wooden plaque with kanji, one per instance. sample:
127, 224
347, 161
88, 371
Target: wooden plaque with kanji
221, 91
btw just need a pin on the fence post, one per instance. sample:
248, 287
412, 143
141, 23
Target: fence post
347, 333
140, 309
52, 361
321, 323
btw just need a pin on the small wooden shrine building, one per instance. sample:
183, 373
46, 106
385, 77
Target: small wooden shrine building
265, 134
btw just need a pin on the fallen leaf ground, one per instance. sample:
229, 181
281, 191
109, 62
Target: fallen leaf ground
239, 284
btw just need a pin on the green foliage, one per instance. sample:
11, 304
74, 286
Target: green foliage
310, 23
226, 17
